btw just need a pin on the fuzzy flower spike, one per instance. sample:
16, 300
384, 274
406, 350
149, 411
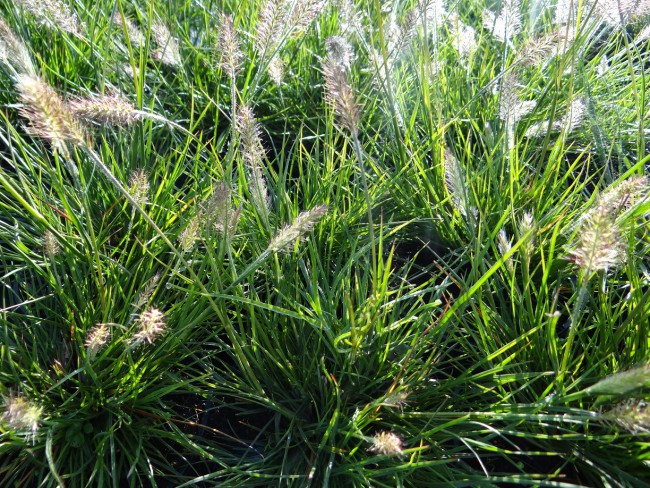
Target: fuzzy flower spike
13, 52
48, 116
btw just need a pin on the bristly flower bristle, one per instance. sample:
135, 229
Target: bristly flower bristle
113, 110
47, 114
21, 414
13, 52
249, 137
340, 51
253, 154
619, 13
600, 245
504, 245
303, 224
54, 14
219, 212
269, 26
151, 325
304, 13
96, 339
135, 35
455, 184
276, 70
511, 107
387, 444
505, 25
229, 47
168, 51
338, 91
139, 186
50, 244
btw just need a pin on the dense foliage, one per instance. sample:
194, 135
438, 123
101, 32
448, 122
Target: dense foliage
293, 243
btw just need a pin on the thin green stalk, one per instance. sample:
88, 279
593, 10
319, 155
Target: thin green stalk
366, 192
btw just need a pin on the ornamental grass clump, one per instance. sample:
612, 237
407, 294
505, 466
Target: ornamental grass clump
470, 307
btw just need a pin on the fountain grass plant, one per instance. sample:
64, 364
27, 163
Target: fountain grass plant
290, 243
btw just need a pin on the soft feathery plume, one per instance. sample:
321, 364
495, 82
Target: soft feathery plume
253, 153
189, 235
464, 36
50, 244
339, 94
303, 14
21, 414
250, 142
600, 245
13, 51
455, 183
269, 26
504, 245
53, 13
139, 186
603, 64
151, 325
412, 20
574, 116
219, 211
147, 292
349, 17
168, 51
525, 231
259, 192
511, 107
49, 117
393, 35
565, 12
276, 70
113, 110
387, 444
132, 31
619, 13
96, 339
541, 49
340, 51
434, 15
302, 224
507, 24
567, 124
538, 129
625, 194
229, 47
